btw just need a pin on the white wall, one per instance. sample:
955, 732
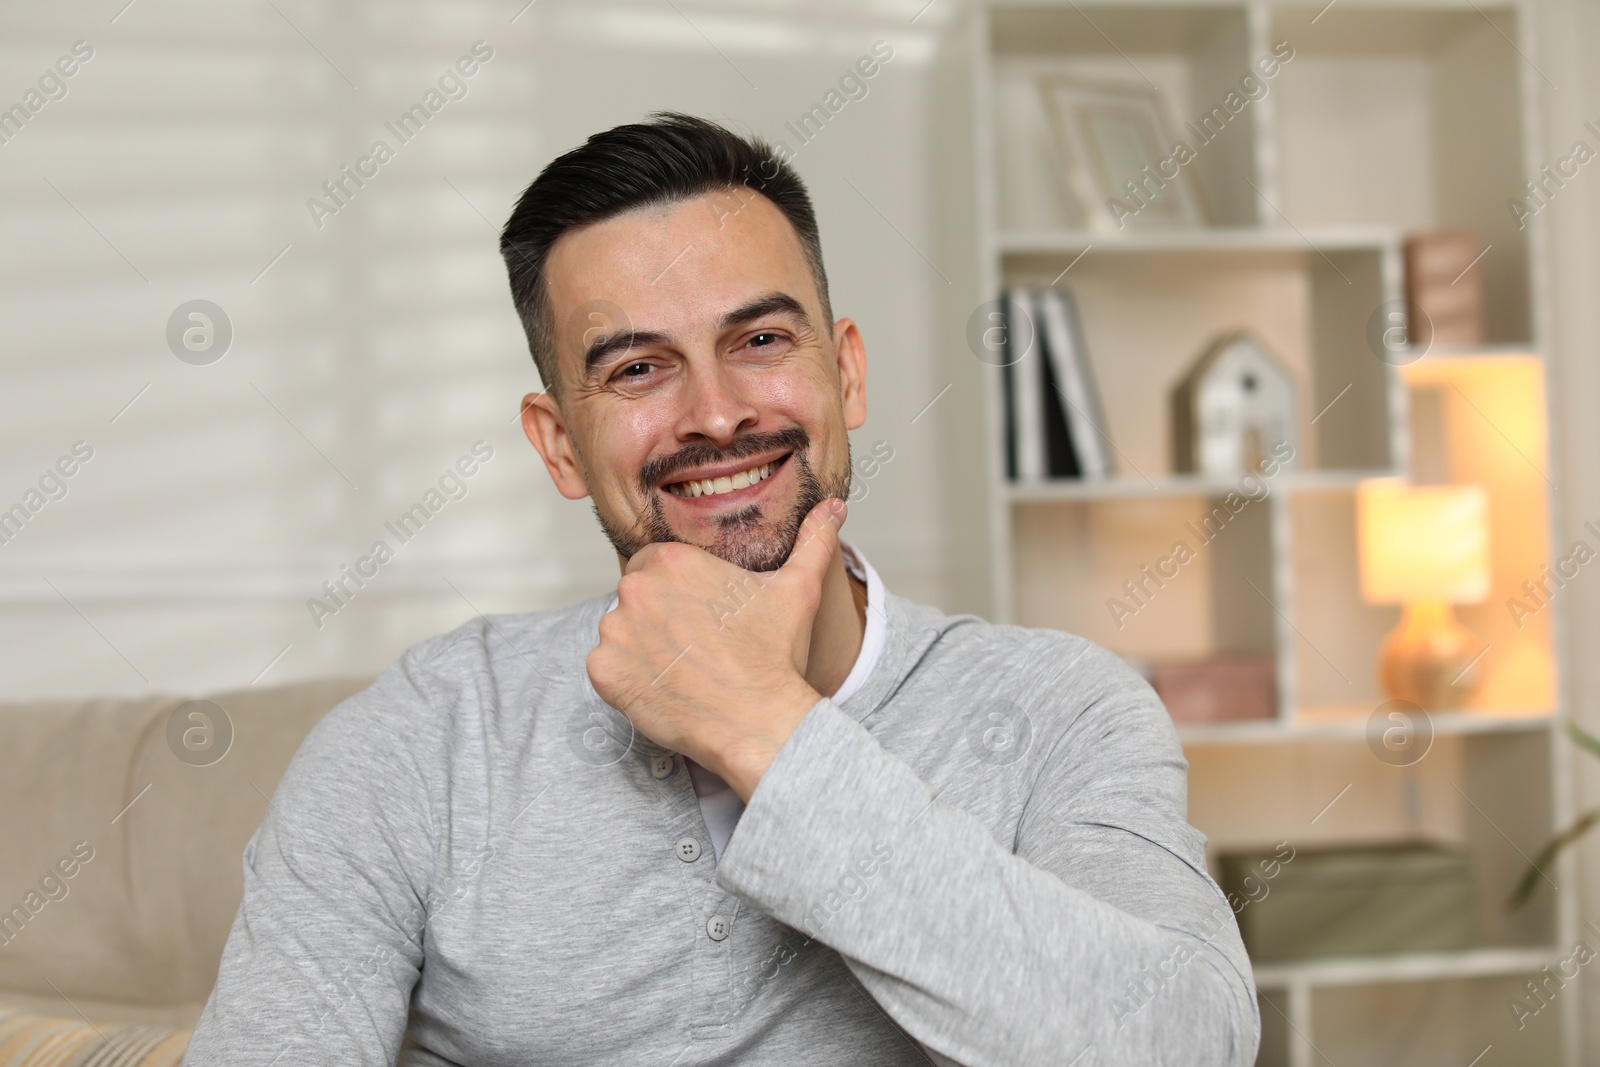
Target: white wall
383, 344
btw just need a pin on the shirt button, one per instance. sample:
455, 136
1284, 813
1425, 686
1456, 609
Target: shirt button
662, 767
688, 849
717, 928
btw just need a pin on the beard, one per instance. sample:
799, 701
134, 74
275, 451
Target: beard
745, 537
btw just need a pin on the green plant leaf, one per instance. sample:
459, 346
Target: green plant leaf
1583, 737
1530, 878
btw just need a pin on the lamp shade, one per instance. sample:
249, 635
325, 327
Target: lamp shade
1422, 542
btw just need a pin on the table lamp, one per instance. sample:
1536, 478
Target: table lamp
1425, 547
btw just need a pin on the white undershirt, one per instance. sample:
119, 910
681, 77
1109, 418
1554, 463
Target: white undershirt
720, 806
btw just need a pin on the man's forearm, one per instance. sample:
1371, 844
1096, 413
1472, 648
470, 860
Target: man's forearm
973, 950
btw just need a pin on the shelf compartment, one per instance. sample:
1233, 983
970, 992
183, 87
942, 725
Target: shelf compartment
1324, 792
1473, 419
1193, 55
1410, 118
1449, 1022
1467, 790
1441, 1010
1150, 310
1079, 561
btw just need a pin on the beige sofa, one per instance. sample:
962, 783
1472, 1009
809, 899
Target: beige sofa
120, 862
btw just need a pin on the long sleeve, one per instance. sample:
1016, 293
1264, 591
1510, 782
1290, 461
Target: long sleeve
327, 944
1095, 938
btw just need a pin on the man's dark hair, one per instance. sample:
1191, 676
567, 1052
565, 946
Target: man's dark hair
670, 158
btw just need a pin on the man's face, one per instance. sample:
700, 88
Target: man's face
691, 347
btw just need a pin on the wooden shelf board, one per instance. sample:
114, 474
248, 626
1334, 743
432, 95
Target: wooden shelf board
1179, 485
1062, 27
1350, 722
1445, 720
1415, 30
1410, 967
1443, 364
1229, 240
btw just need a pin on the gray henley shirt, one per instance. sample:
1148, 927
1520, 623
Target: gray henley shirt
980, 857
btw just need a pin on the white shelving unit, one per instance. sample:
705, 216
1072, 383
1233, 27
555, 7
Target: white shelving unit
1389, 118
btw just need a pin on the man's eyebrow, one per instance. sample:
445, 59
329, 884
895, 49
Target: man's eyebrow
603, 346
607, 344
766, 305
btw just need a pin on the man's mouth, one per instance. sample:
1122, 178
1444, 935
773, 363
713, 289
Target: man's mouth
727, 483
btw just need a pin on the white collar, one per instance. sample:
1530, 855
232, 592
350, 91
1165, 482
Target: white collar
876, 632
877, 629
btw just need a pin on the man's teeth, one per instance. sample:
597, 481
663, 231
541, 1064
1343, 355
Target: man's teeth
726, 484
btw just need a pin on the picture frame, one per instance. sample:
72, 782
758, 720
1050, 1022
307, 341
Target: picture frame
1105, 133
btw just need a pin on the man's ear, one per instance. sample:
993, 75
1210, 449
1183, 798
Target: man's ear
852, 364
546, 427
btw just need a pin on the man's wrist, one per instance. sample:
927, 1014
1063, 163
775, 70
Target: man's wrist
744, 764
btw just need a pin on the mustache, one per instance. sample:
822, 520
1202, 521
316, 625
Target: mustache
660, 471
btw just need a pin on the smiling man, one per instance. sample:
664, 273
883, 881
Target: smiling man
750, 807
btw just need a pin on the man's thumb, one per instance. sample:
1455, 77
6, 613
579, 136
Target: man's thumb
817, 540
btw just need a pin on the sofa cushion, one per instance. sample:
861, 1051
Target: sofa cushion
30, 1040
123, 847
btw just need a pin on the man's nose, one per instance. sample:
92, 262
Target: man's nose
715, 405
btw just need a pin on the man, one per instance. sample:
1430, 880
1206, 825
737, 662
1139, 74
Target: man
751, 807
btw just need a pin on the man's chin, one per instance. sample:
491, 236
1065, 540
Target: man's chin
752, 551
759, 561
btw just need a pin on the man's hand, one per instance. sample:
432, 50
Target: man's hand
708, 659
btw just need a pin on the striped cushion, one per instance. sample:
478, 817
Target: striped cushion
29, 1040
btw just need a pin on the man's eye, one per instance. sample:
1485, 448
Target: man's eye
765, 339
624, 372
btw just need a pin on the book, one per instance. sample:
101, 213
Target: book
1073, 385
1061, 455
1008, 389
1027, 385
1445, 287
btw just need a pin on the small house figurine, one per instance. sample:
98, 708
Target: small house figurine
1233, 410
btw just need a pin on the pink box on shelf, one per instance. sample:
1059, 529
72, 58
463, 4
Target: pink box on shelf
1226, 689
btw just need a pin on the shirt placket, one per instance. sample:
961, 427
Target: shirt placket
712, 912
